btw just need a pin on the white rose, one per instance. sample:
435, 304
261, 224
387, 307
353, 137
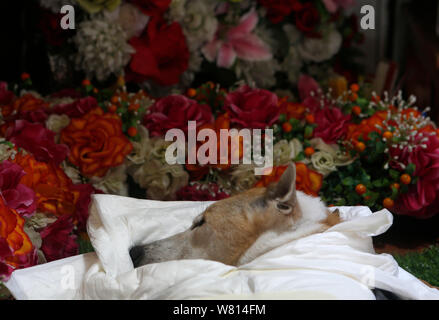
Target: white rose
323, 162
319, 50
57, 122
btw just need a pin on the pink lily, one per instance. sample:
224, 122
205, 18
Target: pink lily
237, 42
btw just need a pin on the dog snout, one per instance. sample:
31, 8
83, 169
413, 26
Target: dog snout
137, 253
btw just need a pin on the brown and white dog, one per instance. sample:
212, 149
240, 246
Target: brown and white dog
236, 230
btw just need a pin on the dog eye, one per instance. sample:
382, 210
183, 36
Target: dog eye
283, 207
198, 223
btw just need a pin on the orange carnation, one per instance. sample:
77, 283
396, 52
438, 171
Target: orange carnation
26, 103
307, 180
19, 251
362, 130
292, 110
96, 142
52, 187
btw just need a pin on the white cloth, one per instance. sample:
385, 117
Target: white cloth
337, 264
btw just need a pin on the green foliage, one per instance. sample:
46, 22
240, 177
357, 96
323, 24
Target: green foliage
84, 245
423, 265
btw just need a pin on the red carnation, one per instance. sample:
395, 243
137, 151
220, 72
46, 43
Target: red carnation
252, 108
174, 112
332, 124
161, 54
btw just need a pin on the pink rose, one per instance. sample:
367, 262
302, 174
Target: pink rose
422, 200
36, 139
174, 112
58, 240
76, 109
252, 108
332, 124
17, 196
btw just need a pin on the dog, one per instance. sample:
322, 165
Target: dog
236, 230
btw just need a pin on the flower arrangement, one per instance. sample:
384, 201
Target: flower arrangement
163, 44
57, 151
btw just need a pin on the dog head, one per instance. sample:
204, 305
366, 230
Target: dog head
234, 230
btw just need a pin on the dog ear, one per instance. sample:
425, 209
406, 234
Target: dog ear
283, 193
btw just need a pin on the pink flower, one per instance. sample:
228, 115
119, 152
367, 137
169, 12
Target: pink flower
36, 139
175, 111
83, 203
422, 200
238, 41
252, 108
17, 196
332, 124
309, 92
333, 5
58, 240
76, 109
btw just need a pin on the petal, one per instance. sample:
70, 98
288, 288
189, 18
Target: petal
247, 23
251, 48
226, 56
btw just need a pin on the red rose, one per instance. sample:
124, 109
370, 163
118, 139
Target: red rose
6, 96
277, 10
58, 240
161, 54
83, 203
76, 109
152, 7
174, 112
422, 200
252, 108
307, 19
332, 124
36, 139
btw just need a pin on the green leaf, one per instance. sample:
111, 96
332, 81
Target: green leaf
411, 168
394, 174
349, 182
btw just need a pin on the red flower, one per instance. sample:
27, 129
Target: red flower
6, 96
307, 19
174, 112
161, 54
252, 108
49, 23
277, 10
58, 240
152, 7
332, 124
38, 140
422, 200
201, 192
83, 203
17, 196
76, 109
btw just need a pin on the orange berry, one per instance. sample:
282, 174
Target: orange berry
95, 90
112, 108
25, 76
395, 185
114, 99
86, 82
360, 189
310, 118
360, 146
287, 127
388, 135
355, 87
191, 92
354, 97
356, 110
132, 131
388, 203
406, 179
134, 107
309, 151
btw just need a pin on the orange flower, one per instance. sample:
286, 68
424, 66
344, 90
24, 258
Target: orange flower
24, 104
96, 142
53, 188
11, 230
307, 180
362, 130
292, 110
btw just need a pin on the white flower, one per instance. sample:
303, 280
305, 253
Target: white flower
259, 73
114, 182
57, 122
241, 178
55, 5
319, 50
327, 157
40, 220
141, 149
6, 151
296, 148
130, 18
71, 172
292, 64
102, 48
323, 162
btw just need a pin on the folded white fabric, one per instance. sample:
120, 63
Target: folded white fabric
337, 264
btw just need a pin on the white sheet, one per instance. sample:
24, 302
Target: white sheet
337, 264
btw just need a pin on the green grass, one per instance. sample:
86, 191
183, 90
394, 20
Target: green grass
423, 265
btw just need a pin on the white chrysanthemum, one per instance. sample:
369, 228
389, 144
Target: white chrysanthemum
260, 73
7, 150
55, 5
320, 50
102, 48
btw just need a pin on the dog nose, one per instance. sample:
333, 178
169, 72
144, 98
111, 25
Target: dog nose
136, 254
